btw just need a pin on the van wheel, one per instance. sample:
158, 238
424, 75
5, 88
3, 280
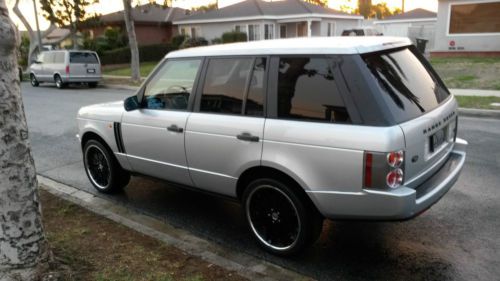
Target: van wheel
103, 170
33, 80
277, 216
92, 84
59, 82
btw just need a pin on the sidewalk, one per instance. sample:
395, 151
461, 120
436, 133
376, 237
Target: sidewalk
475, 92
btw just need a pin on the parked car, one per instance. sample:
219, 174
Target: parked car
64, 67
338, 128
364, 31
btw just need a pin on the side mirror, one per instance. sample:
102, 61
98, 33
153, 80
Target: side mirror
131, 103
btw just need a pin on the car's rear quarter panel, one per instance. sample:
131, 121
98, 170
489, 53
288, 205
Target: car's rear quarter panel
325, 156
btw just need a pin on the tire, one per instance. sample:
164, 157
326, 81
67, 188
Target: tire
102, 168
59, 82
92, 84
33, 80
282, 222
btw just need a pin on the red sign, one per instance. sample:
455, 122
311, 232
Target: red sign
452, 43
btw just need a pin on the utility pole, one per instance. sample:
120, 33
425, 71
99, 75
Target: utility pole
38, 33
403, 6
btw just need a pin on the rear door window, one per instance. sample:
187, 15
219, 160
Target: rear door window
225, 85
307, 91
83, 57
408, 85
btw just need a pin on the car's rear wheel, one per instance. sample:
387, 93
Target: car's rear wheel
59, 82
33, 80
278, 217
103, 170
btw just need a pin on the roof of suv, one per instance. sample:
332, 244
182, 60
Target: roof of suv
310, 45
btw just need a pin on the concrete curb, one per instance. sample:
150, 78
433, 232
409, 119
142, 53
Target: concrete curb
119, 87
243, 264
481, 113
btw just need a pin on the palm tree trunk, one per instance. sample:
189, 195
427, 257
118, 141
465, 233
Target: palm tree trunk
132, 41
22, 240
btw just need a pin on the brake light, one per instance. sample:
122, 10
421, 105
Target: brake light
67, 69
383, 170
368, 169
394, 178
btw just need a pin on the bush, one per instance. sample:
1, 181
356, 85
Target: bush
146, 53
216, 41
193, 42
177, 40
234, 36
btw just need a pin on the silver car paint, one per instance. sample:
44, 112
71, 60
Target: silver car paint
216, 157
152, 149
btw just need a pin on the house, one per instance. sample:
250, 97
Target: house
467, 28
153, 23
268, 20
58, 38
414, 24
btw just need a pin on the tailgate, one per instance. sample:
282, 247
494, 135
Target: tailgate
429, 140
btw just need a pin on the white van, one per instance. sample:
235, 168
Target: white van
64, 67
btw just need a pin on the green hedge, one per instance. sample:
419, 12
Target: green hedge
146, 53
234, 36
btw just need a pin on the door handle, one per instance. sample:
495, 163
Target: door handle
174, 128
247, 137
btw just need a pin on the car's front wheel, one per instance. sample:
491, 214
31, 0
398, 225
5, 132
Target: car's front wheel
279, 218
33, 80
103, 170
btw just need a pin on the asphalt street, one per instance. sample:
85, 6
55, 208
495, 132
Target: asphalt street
457, 239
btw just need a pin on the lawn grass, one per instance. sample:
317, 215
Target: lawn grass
146, 68
89, 247
469, 72
478, 102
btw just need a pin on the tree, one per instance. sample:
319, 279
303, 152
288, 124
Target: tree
132, 41
380, 11
206, 8
34, 47
364, 8
22, 239
70, 13
322, 3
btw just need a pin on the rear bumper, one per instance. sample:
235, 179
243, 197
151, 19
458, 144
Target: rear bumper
398, 204
80, 79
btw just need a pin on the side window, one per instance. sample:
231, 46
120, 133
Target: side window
225, 85
307, 91
255, 101
172, 85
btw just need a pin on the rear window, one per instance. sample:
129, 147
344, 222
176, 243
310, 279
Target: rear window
408, 85
83, 57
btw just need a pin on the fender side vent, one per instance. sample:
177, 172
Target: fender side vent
118, 137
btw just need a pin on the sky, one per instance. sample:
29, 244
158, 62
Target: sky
108, 6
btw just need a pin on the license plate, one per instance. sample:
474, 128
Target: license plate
437, 139
90, 70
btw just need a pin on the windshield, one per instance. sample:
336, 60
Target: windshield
409, 86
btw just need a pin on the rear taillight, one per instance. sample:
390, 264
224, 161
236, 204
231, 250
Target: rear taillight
384, 170
67, 69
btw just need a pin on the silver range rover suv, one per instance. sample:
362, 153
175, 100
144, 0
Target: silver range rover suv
297, 130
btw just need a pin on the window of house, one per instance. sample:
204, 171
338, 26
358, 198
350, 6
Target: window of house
225, 85
172, 85
195, 32
254, 105
283, 31
307, 91
268, 31
240, 28
253, 32
330, 29
475, 18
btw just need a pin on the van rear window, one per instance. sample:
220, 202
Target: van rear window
409, 86
83, 57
